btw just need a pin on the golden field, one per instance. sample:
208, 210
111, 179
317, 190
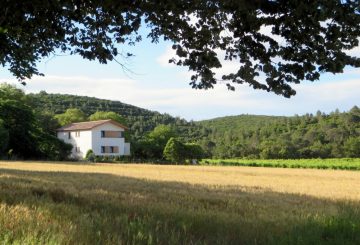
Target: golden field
72, 203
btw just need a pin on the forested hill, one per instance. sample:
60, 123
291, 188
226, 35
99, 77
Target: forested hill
139, 120
249, 122
59, 103
309, 136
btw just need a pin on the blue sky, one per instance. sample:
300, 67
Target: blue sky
157, 85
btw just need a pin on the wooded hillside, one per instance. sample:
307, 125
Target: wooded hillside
139, 120
309, 136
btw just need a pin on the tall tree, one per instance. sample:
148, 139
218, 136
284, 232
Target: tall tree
152, 145
10, 92
71, 116
102, 115
25, 132
193, 151
4, 137
352, 147
18, 120
158, 139
284, 41
175, 150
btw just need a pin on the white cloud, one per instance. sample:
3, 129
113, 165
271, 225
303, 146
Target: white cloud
266, 30
354, 52
163, 59
200, 104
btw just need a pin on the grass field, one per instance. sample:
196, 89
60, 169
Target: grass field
335, 163
57, 203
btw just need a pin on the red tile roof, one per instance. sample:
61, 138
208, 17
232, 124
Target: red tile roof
88, 125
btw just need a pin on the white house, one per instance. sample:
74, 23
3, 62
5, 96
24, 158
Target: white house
103, 137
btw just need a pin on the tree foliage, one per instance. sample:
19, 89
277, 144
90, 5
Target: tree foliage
174, 151
140, 121
284, 41
193, 151
152, 145
71, 115
4, 137
307, 136
18, 120
103, 115
310, 136
24, 129
161, 134
352, 147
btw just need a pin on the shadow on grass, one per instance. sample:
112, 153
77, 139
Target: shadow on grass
94, 208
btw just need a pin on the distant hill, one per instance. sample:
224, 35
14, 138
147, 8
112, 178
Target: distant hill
229, 123
139, 120
309, 136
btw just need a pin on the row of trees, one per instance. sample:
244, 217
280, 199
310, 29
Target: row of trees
28, 124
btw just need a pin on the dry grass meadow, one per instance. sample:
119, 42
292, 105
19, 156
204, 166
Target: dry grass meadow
72, 203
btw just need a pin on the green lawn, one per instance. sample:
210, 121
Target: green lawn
335, 163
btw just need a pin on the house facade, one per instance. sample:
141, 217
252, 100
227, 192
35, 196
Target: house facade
103, 137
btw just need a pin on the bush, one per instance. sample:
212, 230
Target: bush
174, 151
106, 159
90, 156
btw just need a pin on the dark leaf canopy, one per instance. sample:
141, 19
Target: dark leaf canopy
275, 43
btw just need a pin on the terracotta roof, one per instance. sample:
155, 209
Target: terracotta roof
88, 125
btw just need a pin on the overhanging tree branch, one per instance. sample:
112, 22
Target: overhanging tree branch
314, 36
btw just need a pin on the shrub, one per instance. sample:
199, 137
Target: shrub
90, 156
174, 151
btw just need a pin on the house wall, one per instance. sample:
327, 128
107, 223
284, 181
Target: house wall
127, 149
98, 141
83, 141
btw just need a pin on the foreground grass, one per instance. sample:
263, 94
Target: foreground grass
335, 163
42, 203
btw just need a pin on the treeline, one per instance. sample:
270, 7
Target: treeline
28, 123
321, 135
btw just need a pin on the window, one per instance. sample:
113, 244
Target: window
77, 134
77, 149
109, 149
111, 134
114, 149
69, 135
